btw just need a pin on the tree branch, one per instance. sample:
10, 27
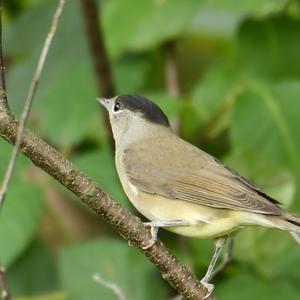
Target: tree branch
128, 225
5, 294
171, 77
171, 69
3, 100
91, 16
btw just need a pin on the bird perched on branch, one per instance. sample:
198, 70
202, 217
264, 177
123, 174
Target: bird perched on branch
180, 187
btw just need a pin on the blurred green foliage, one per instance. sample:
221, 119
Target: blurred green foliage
239, 75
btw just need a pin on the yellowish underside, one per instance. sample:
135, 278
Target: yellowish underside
204, 221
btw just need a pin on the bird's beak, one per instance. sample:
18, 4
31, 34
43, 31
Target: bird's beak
107, 103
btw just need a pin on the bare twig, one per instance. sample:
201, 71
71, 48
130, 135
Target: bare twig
229, 100
91, 16
3, 99
171, 69
171, 77
110, 285
5, 294
29, 99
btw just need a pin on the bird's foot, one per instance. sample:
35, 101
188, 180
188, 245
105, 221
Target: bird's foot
208, 286
153, 230
155, 225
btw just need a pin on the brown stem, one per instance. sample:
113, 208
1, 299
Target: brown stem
91, 16
5, 294
171, 69
3, 99
171, 77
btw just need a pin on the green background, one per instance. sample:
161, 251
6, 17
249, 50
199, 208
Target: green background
239, 79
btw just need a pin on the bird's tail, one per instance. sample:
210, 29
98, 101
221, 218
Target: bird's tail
295, 236
292, 224
288, 222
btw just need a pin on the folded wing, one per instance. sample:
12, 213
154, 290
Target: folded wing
197, 178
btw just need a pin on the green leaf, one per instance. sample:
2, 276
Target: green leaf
50, 296
270, 47
247, 6
42, 278
265, 120
138, 28
214, 96
274, 179
115, 262
130, 73
21, 210
248, 286
69, 110
19, 219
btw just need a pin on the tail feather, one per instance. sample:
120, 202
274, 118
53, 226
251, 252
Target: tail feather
295, 236
293, 219
295, 231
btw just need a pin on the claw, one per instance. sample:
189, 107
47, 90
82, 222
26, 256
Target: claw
209, 287
153, 231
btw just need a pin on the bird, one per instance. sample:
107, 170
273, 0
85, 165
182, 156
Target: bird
181, 188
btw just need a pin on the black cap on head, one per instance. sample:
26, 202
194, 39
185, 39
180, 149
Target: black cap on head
147, 108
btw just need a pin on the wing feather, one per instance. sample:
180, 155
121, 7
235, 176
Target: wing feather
198, 178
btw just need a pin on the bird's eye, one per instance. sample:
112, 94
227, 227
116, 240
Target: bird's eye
117, 106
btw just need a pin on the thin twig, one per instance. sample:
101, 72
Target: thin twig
171, 69
29, 99
5, 294
171, 77
3, 99
91, 14
228, 101
110, 285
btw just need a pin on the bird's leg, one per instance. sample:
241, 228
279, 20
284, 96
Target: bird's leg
205, 280
155, 225
227, 257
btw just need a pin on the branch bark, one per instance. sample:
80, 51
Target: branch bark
3, 99
5, 294
128, 225
171, 69
171, 77
91, 16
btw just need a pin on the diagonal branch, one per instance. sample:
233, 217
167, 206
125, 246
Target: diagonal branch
29, 99
5, 294
3, 100
171, 77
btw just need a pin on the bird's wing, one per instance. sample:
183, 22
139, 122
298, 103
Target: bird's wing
198, 178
